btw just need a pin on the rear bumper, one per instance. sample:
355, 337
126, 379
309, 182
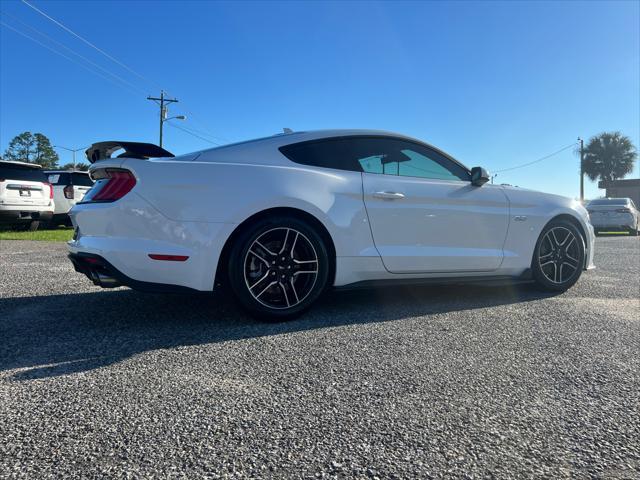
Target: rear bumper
622, 222
104, 274
614, 226
23, 216
125, 233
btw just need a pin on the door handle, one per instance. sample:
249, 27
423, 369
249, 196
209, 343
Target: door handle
389, 195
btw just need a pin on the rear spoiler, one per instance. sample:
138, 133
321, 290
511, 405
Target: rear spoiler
103, 150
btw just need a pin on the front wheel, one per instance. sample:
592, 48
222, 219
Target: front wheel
278, 268
559, 256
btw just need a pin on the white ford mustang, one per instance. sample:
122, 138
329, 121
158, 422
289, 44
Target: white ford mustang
280, 219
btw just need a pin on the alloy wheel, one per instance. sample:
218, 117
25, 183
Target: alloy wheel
281, 268
558, 255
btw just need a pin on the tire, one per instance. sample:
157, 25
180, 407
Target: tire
559, 255
278, 267
30, 226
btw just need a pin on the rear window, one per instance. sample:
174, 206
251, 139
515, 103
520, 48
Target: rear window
68, 178
14, 172
609, 201
59, 178
82, 180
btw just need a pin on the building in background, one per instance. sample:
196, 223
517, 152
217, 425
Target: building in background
622, 189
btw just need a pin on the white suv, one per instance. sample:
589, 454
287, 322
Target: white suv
69, 186
26, 196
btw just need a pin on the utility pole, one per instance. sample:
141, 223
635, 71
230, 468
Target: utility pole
163, 102
581, 169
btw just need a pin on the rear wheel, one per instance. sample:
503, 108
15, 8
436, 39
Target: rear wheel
559, 256
278, 268
30, 226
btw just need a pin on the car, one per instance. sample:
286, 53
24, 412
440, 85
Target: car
26, 196
69, 186
614, 214
279, 220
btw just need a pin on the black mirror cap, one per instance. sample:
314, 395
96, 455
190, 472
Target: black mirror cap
479, 176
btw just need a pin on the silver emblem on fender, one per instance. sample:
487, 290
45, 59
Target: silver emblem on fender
520, 218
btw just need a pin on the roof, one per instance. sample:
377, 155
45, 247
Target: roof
286, 138
21, 164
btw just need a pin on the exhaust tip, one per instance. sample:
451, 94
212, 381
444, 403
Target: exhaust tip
102, 280
107, 281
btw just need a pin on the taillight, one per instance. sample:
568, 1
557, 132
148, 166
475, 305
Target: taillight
112, 185
68, 191
623, 210
50, 190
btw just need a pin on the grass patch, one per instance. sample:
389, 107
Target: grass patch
61, 234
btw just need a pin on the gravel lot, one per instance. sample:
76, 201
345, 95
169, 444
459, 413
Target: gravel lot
409, 383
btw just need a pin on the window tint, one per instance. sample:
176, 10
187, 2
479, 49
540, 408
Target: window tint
82, 180
380, 155
15, 172
331, 153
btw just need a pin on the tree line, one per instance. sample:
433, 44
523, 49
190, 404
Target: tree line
36, 148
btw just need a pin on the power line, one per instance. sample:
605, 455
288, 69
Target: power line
99, 67
198, 120
192, 133
538, 160
110, 57
129, 90
63, 55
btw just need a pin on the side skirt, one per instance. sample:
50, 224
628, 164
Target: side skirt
489, 280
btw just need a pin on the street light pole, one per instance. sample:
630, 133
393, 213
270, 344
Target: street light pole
72, 150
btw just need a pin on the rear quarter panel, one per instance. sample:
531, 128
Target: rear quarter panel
231, 192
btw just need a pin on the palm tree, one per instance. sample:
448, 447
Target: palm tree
609, 156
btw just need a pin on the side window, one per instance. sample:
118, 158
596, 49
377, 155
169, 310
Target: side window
406, 159
331, 153
381, 155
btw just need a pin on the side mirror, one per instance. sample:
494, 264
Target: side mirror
479, 176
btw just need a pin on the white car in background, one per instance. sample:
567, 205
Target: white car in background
614, 214
69, 187
280, 219
26, 197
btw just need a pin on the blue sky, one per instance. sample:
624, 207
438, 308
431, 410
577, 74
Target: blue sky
495, 84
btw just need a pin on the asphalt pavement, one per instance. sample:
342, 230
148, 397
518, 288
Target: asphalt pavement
421, 382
